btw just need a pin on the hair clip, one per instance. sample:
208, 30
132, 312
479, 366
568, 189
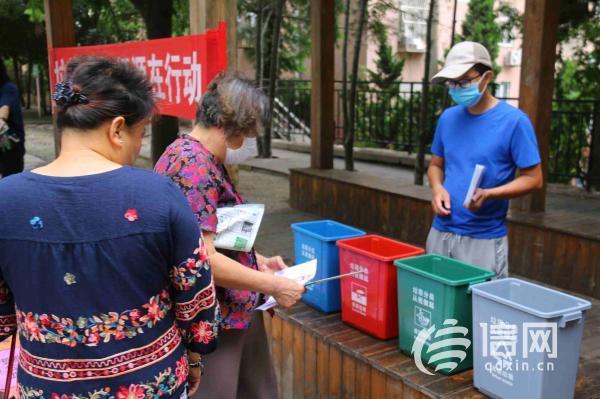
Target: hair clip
66, 95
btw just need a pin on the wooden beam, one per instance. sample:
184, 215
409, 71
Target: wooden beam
322, 83
537, 83
206, 14
60, 32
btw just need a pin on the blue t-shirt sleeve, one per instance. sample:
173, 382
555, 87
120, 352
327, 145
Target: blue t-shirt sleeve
9, 95
437, 147
523, 146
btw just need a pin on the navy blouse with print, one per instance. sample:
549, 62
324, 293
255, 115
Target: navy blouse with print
106, 279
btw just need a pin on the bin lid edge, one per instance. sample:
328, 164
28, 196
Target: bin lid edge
479, 290
486, 274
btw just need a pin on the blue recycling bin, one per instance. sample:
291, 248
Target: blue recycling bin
317, 240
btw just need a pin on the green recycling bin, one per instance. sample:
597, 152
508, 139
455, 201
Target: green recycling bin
435, 311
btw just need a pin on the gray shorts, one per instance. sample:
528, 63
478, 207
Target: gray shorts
491, 254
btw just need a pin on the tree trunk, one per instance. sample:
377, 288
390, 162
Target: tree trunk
43, 73
18, 83
446, 97
349, 140
157, 15
453, 37
593, 173
29, 72
259, 53
345, 80
259, 57
424, 114
273, 75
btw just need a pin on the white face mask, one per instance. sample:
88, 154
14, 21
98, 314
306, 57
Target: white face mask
245, 152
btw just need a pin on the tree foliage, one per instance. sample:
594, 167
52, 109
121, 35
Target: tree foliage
578, 72
480, 26
295, 32
389, 65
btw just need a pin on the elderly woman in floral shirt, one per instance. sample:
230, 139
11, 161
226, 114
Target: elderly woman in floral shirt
227, 123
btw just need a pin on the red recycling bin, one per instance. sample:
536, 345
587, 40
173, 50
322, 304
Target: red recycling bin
370, 298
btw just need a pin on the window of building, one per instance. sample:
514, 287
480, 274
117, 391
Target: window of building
503, 90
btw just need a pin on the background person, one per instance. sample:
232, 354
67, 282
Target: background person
227, 123
483, 130
104, 262
12, 130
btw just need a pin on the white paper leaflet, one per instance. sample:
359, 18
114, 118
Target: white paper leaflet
301, 274
475, 182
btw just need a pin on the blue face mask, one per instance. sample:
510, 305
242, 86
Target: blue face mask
466, 97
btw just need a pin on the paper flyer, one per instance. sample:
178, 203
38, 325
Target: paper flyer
475, 182
301, 274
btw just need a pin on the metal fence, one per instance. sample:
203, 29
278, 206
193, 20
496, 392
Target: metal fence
389, 117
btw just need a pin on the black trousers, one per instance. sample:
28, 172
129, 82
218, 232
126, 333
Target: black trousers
12, 161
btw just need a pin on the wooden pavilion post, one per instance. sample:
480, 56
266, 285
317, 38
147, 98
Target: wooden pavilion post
206, 14
322, 83
537, 83
60, 32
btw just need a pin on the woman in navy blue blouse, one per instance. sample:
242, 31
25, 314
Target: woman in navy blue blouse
103, 270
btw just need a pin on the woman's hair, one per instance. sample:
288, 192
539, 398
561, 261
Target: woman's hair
233, 104
3, 74
98, 89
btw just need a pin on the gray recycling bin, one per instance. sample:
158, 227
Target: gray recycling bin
526, 340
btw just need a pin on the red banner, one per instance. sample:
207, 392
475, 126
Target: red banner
180, 68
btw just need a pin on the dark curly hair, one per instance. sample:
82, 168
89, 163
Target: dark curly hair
98, 89
234, 104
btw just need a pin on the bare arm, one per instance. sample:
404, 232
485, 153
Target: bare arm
231, 274
529, 180
4, 112
440, 201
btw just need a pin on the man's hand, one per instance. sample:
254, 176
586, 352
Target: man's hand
481, 195
271, 265
441, 201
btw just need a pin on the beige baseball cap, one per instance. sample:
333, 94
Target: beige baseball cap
462, 57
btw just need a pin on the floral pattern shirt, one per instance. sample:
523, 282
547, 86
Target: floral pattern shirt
207, 186
107, 282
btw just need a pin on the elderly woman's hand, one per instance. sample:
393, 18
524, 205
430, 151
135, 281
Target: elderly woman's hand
271, 265
194, 374
287, 292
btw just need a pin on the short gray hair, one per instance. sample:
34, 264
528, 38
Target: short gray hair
233, 104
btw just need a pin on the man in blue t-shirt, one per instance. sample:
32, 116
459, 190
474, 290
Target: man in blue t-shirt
12, 131
480, 130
